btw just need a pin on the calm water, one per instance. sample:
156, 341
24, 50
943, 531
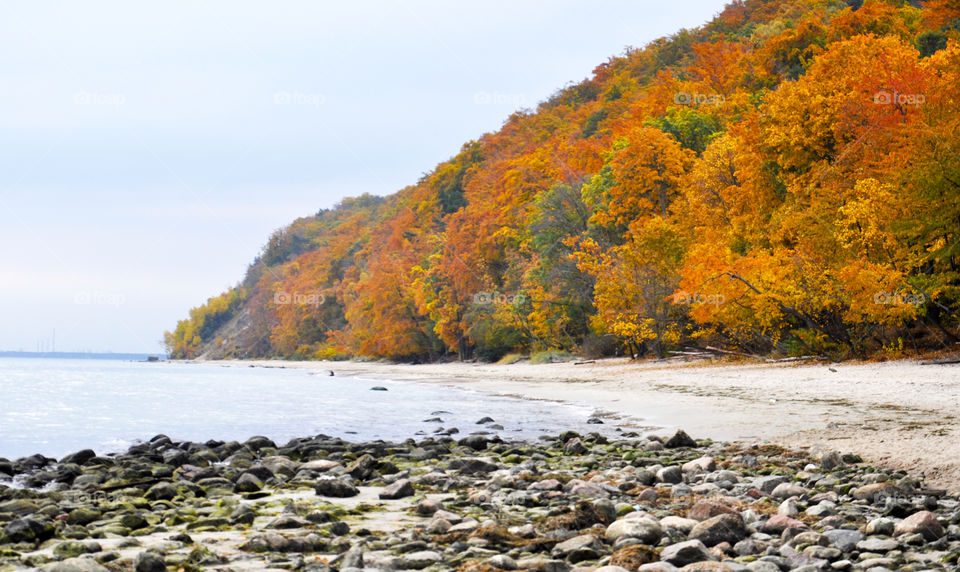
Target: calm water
57, 406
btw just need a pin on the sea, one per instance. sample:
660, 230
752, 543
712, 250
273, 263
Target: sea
58, 406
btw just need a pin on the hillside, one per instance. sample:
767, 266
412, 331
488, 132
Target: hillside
784, 180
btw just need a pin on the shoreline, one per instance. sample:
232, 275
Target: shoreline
896, 414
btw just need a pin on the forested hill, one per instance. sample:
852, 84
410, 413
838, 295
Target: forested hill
784, 180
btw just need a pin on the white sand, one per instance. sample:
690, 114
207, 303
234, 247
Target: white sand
897, 414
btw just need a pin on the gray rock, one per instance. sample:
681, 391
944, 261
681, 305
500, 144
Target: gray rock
337, 488
578, 548
845, 540
503, 562
672, 474
686, 552
647, 530
398, 490
721, 528
769, 483
787, 490
149, 562
422, 559
248, 483
680, 439
541, 564
874, 544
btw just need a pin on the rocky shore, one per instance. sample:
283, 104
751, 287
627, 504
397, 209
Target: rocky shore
565, 503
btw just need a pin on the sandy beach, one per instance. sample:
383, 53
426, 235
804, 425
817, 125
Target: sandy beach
897, 414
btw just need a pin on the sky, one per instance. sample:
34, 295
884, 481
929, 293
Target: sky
148, 150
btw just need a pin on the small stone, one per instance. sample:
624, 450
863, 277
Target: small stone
687, 552
721, 528
503, 562
422, 559
647, 530
708, 509
701, 465
248, 483
634, 556
923, 522
844, 540
672, 474
680, 439
161, 491
575, 447
875, 544
787, 490
149, 562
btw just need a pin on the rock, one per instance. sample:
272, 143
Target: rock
427, 507
281, 465
502, 562
70, 549
708, 567
875, 544
882, 526
923, 522
708, 509
483, 421
287, 521
680, 439
687, 552
27, 530
353, 557
787, 490
75, 565
422, 559
830, 460
683, 525
475, 442
149, 562
545, 485
721, 528
647, 530
769, 483
575, 447
612, 568
398, 490
788, 507
161, 491
337, 488
319, 465
877, 493
844, 540
79, 458
362, 468
701, 465
778, 523
578, 548
634, 556
378, 388
248, 483
473, 465
83, 516
672, 474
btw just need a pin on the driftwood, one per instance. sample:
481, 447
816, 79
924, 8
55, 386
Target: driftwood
941, 361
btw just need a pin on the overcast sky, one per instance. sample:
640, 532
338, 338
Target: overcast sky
149, 149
